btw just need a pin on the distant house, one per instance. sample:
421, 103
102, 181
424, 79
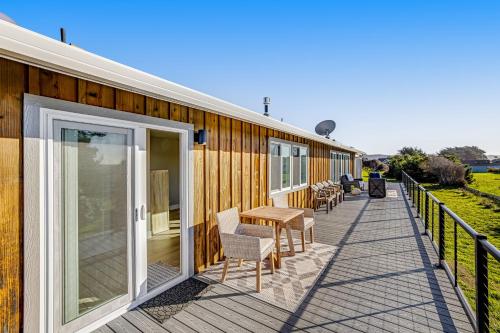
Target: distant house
483, 165
381, 157
493, 157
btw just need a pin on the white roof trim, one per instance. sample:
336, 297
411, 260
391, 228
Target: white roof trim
24, 45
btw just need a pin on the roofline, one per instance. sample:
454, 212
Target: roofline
20, 44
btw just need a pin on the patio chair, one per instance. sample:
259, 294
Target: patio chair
336, 191
302, 223
330, 191
340, 189
245, 242
319, 197
348, 181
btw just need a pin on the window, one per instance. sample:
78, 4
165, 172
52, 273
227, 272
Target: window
296, 165
303, 166
340, 164
275, 168
287, 166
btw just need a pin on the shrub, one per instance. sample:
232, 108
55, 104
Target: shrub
382, 167
447, 172
469, 175
376, 165
408, 160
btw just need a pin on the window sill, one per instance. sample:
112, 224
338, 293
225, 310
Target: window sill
295, 189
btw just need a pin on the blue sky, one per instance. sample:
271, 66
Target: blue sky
390, 73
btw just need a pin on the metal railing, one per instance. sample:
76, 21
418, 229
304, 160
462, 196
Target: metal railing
424, 203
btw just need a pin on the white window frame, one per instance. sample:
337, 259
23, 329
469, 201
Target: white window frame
340, 164
300, 164
291, 188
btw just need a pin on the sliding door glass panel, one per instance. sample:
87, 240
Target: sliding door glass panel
275, 167
285, 166
95, 211
303, 166
296, 165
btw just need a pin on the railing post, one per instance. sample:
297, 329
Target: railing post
482, 314
441, 234
426, 213
412, 193
418, 200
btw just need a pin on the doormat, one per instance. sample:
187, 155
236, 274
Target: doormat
392, 193
288, 286
172, 301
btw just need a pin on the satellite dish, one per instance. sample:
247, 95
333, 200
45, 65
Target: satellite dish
325, 128
4, 17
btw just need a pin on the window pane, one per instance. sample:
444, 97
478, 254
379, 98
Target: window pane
94, 175
303, 165
296, 165
275, 167
285, 170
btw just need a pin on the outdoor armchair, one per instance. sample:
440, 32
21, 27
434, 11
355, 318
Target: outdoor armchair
302, 223
337, 191
339, 187
348, 181
244, 242
321, 196
332, 192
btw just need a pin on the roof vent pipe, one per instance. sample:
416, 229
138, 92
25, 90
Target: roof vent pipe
267, 101
63, 35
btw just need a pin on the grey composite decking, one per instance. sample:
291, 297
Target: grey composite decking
382, 278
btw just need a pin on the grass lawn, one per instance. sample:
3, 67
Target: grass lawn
487, 183
484, 216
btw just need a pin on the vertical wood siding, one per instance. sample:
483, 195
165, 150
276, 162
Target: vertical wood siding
231, 170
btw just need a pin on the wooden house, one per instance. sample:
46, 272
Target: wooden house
106, 197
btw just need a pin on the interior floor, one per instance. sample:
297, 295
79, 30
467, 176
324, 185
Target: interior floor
164, 253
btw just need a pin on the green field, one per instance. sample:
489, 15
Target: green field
484, 216
487, 183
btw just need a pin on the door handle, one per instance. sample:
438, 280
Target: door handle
140, 215
143, 212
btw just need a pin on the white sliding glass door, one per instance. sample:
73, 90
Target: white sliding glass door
108, 226
93, 187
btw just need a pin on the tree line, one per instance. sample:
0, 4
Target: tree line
447, 167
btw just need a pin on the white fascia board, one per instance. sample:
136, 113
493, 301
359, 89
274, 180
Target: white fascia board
29, 47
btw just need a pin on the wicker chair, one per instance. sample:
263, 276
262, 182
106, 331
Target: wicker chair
321, 197
339, 187
348, 181
245, 241
302, 223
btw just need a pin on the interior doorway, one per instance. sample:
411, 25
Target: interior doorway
164, 214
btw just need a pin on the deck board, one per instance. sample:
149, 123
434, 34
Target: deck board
382, 278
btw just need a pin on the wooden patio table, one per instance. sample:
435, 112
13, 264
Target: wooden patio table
280, 218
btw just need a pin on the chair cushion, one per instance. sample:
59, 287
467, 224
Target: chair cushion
266, 246
308, 222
